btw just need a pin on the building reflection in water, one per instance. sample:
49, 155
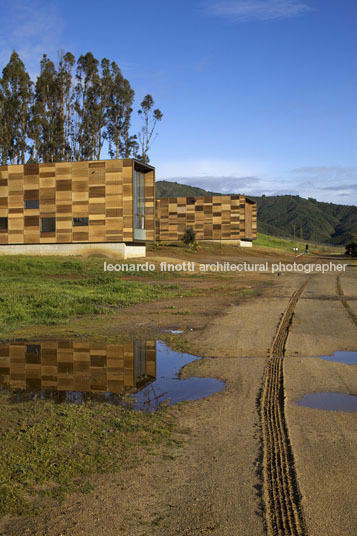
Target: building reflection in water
75, 371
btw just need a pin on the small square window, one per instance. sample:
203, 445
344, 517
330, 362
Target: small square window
33, 354
80, 222
48, 225
33, 349
3, 224
32, 203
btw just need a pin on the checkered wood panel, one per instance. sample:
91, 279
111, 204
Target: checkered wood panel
75, 366
101, 191
212, 217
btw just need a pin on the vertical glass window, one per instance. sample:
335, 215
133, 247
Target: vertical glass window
139, 200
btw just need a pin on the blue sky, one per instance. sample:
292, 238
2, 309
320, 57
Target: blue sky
258, 96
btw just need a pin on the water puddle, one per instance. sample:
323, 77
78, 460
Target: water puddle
69, 371
329, 401
348, 358
168, 387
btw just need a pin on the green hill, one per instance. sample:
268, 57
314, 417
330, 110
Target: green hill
315, 221
288, 215
175, 189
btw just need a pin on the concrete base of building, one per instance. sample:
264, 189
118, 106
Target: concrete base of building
246, 244
226, 242
241, 243
112, 250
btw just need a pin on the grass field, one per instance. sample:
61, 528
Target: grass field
284, 244
50, 290
273, 242
53, 449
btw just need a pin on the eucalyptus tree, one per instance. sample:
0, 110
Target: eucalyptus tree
119, 114
65, 106
150, 118
86, 77
46, 121
73, 108
129, 142
4, 133
101, 106
88, 109
16, 98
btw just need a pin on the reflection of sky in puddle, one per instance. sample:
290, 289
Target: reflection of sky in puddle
70, 371
168, 387
329, 401
348, 358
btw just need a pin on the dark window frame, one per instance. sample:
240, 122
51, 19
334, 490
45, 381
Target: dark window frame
5, 221
27, 201
33, 349
80, 222
42, 222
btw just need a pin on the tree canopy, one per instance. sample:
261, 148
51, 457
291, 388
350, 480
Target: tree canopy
70, 111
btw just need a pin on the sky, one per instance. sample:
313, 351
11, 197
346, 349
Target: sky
258, 96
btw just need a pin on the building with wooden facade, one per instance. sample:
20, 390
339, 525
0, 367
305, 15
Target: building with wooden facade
73, 207
231, 218
108, 207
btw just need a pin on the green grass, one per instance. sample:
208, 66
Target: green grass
51, 290
282, 244
50, 449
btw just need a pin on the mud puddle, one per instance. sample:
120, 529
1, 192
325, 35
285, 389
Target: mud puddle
329, 401
168, 387
70, 371
173, 331
348, 358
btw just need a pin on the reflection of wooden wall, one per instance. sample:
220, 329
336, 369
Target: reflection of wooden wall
102, 191
213, 218
73, 366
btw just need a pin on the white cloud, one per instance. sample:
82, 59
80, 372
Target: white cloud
242, 10
336, 184
32, 29
209, 167
327, 172
219, 175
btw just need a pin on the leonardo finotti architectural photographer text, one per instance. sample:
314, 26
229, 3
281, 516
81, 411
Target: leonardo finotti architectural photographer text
227, 267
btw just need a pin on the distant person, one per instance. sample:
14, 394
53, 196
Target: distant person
307, 249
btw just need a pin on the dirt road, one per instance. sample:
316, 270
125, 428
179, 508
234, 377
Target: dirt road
324, 442
251, 461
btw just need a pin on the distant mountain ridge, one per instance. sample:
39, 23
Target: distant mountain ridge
175, 189
287, 215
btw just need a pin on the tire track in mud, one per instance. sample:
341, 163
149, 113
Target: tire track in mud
281, 492
344, 302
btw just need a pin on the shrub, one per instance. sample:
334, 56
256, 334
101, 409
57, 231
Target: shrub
189, 236
351, 247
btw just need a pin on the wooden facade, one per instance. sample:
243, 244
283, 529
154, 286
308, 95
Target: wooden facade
224, 217
72, 202
77, 366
